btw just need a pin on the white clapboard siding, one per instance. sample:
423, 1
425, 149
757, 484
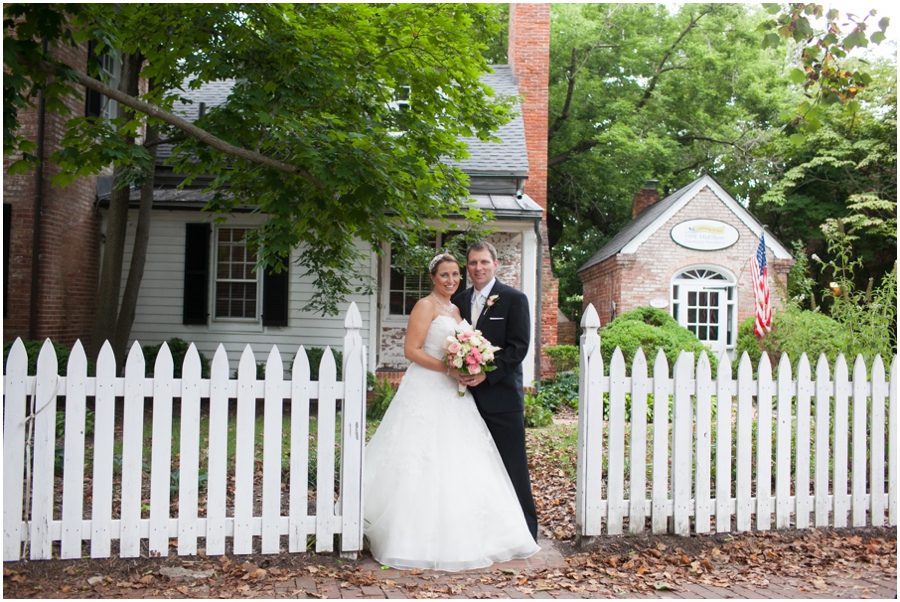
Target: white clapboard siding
796, 412
29, 503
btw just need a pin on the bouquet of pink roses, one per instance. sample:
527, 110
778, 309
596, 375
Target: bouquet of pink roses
469, 352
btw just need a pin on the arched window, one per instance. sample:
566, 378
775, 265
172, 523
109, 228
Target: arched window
704, 301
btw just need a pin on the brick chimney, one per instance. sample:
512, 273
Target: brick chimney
645, 197
529, 57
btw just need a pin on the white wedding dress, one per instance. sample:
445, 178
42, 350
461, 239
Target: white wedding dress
437, 495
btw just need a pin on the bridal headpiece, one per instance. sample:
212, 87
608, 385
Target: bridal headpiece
438, 259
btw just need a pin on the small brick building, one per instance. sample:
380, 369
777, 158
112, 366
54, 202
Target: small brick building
688, 254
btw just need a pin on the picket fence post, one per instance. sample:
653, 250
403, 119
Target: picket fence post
589, 466
15, 396
353, 435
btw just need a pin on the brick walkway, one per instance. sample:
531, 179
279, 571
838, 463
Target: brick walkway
396, 584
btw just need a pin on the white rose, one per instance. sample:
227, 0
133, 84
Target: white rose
457, 362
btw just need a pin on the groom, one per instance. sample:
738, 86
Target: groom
501, 313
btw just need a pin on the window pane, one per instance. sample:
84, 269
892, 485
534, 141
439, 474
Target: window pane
701, 333
692, 315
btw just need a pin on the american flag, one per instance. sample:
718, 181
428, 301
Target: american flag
761, 289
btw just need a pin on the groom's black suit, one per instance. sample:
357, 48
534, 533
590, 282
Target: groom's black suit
506, 324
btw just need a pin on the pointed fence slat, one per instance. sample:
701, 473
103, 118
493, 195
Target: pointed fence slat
189, 453
723, 445
744, 445
805, 390
660, 490
161, 452
73, 453
682, 443
640, 387
243, 464
325, 524
299, 524
824, 391
216, 485
764, 445
272, 443
876, 430
860, 449
842, 391
104, 428
783, 419
44, 415
703, 434
892, 447
615, 489
15, 385
132, 464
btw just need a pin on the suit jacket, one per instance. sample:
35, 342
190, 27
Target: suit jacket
506, 324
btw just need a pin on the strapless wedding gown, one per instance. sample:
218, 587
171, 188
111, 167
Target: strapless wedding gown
437, 495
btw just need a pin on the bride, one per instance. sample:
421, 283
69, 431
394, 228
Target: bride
437, 495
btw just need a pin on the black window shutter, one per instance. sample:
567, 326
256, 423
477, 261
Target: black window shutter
93, 101
275, 298
7, 226
196, 273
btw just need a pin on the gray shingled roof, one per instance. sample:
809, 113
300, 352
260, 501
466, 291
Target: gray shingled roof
507, 158
636, 226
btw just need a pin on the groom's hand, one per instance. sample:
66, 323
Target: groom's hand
472, 380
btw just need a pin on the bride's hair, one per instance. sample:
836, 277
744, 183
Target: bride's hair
438, 260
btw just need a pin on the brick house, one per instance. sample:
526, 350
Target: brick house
689, 254
178, 293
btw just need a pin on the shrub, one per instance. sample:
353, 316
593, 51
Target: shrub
33, 349
794, 332
178, 348
560, 391
536, 414
315, 359
383, 393
565, 357
650, 329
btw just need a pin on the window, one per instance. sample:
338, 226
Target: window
236, 283
237, 289
96, 104
404, 290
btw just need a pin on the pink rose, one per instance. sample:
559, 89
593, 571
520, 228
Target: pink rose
453, 347
477, 355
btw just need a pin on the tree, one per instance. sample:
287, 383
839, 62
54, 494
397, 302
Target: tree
627, 104
309, 134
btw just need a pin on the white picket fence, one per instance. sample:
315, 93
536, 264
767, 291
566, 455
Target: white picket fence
33, 399
848, 479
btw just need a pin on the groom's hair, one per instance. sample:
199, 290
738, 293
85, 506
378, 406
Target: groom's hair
482, 245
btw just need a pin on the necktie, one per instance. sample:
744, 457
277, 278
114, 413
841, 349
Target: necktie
477, 304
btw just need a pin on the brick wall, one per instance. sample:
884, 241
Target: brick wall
633, 281
529, 57
70, 231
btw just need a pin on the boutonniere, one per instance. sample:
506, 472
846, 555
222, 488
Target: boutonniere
490, 303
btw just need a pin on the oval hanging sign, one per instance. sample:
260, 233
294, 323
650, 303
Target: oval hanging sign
705, 234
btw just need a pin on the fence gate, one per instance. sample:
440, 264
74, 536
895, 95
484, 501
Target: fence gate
264, 493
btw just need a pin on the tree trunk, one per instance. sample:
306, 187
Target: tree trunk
116, 222
139, 253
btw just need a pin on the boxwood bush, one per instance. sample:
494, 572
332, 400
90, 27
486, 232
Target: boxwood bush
650, 329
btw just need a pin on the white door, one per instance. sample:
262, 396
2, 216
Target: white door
702, 302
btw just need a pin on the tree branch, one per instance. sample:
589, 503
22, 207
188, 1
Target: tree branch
558, 122
581, 147
183, 125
